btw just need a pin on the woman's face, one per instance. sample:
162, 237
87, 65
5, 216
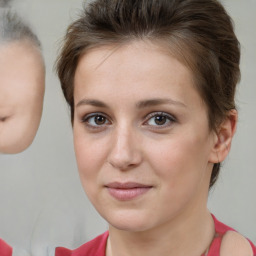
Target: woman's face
21, 95
143, 147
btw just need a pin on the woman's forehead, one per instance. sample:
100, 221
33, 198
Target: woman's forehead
139, 70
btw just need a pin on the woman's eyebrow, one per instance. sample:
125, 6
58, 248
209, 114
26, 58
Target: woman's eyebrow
92, 102
155, 102
140, 104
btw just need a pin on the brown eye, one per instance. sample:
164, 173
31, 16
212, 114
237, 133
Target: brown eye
160, 120
95, 120
99, 120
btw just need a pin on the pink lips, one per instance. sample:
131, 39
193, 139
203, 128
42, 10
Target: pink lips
127, 191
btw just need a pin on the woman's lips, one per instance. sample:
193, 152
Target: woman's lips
127, 191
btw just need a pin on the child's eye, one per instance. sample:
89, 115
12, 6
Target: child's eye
159, 119
96, 120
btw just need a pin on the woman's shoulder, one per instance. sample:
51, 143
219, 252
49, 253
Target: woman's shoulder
229, 242
97, 246
235, 244
5, 249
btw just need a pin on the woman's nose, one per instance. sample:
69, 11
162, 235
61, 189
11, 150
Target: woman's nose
125, 150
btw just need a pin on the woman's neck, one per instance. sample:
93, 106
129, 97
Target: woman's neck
185, 235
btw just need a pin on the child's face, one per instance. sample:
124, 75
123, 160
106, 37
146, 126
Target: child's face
21, 95
141, 136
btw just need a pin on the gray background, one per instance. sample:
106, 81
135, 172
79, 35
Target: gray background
42, 202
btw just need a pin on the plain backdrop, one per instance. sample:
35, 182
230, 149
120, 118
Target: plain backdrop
42, 204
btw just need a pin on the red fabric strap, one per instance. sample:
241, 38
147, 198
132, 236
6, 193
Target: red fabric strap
5, 249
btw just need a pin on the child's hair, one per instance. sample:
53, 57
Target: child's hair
4, 3
13, 28
199, 33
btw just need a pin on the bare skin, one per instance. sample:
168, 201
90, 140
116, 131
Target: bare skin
235, 244
22, 82
120, 96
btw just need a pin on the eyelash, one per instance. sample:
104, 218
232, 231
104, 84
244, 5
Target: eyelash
168, 118
87, 118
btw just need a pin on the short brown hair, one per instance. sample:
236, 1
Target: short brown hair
199, 33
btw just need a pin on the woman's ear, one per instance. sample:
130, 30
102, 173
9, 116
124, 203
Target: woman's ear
223, 138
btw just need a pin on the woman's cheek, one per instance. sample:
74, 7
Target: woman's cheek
88, 154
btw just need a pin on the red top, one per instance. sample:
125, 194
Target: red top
5, 249
220, 230
97, 246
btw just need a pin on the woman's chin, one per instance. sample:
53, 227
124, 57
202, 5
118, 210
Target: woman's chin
128, 227
130, 224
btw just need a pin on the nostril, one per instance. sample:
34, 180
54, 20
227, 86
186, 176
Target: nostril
2, 119
124, 161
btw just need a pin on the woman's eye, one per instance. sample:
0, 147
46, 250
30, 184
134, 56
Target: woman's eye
95, 120
160, 120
